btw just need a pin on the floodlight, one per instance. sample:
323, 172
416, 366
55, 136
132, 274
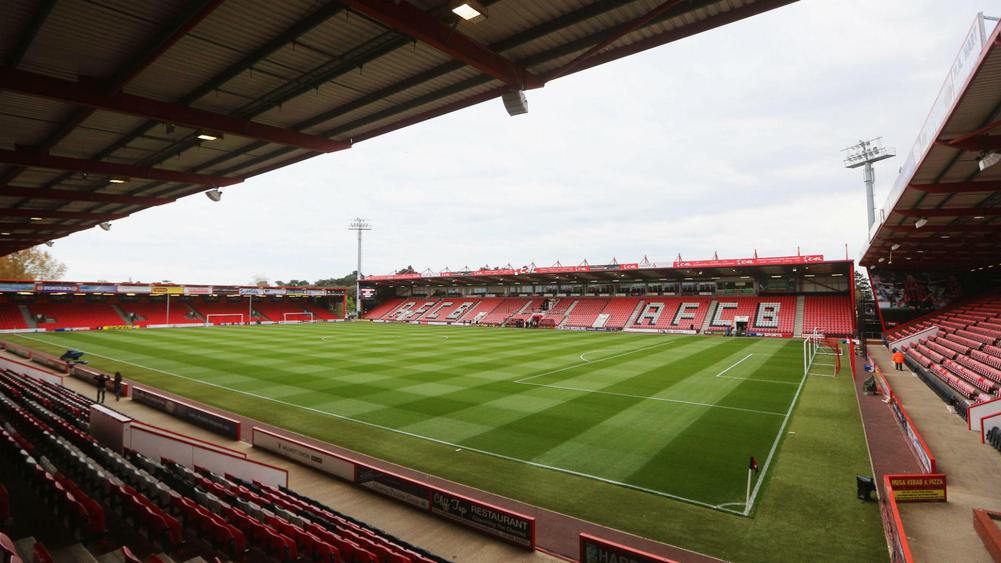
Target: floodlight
921, 222
105, 225
206, 136
989, 159
881, 260
469, 10
214, 194
515, 102
894, 246
117, 180
34, 218
49, 243
5, 234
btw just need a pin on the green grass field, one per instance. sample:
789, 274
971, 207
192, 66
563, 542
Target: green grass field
611, 427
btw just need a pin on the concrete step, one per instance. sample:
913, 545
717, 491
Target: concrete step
76, 553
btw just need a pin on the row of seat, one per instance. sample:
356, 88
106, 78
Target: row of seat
52, 315
830, 315
170, 504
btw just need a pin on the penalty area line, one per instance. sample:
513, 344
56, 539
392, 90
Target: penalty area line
426, 438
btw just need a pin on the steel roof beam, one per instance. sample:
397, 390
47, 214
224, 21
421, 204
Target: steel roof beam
718, 20
52, 228
958, 187
27, 158
50, 214
92, 95
192, 14
30, 30
410, 20
73, 195
622, 31
938, 212
943, 228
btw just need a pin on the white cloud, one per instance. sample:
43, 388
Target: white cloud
727, 141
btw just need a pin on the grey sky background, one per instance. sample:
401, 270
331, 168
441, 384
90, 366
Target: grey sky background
728, 141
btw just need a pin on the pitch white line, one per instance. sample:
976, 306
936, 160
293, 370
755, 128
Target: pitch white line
524, 379
775, 445
778, 381
649, 398
413, 435
735, 364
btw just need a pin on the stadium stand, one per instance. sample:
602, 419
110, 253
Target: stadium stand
585, 312
150, 312
448, 309
11, 316
964, 354
480, 309
276, 309
619, 310
320, 312
557, 311
46, 451
980, 315
830, 315
678, 313
384, 308
75, 314
768, 314
224, 307
504, 310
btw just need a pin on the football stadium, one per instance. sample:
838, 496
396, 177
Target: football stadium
792, 406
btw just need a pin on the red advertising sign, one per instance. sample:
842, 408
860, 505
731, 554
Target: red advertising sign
772, 261
596, 550
929, 487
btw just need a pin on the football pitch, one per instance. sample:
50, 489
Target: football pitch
670, 418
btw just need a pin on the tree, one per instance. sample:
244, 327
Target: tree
261, 281
863, 291
31, 264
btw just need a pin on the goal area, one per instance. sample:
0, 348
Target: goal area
300, 317
223, 319
821, 355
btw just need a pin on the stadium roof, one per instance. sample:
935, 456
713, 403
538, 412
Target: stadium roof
677, 271
941, 183
108, 108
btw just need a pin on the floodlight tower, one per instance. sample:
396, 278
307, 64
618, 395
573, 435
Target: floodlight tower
864, 154
359, 225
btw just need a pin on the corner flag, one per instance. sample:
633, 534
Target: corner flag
753, 465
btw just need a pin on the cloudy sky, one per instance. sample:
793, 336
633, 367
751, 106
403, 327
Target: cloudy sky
728, 141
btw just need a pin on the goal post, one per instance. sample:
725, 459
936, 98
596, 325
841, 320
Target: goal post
300, 317
220, 318
821, 355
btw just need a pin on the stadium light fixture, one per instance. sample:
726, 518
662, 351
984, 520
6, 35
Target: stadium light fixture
470, 10
921, 222
978, 217
864, 154
944, 236
214, 194
206, 136
117, 180
359, 225
105, 225
989, 159
34, 218
895, 246
881, 259
5, 234
49, 243
837, 275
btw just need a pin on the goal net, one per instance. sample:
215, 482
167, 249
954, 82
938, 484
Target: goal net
223, 319
301, 317
821, 355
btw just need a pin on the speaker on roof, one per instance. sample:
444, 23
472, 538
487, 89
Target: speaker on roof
515, 102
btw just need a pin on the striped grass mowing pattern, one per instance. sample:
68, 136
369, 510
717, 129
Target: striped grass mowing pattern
675, 416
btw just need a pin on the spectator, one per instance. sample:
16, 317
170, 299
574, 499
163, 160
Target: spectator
101, 381
117, 388
898, 360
